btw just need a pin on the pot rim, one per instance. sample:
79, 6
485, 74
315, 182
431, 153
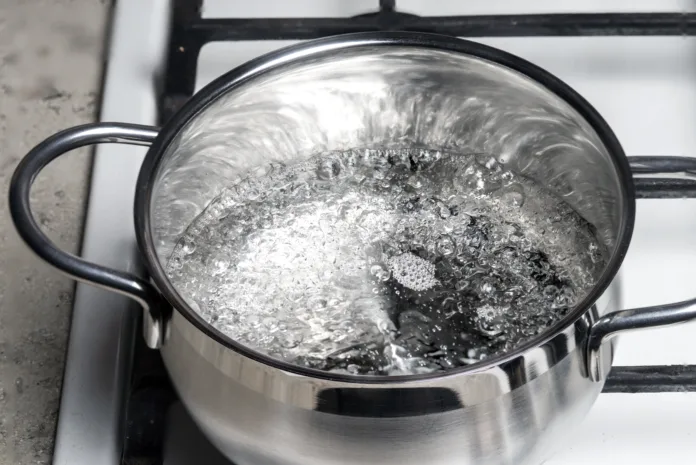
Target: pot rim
299, 52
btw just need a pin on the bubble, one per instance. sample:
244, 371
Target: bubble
380, 273
175, 263
220, 266
188, 246
485, 159
550, 291
491, 164
413, 272
476, 354
488, 329
513, 195
446, 246
328, 169
443, 210
487, 287
414, 183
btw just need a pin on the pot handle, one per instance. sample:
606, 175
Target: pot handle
130, 285
647, 187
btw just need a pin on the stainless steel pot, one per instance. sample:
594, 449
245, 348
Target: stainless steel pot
369, 91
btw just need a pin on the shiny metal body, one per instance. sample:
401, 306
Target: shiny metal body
371, 91
512, 413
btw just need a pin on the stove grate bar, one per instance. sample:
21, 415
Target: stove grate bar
190, 32
519, 25
651, 379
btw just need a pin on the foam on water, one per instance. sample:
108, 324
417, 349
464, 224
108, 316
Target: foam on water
385, 261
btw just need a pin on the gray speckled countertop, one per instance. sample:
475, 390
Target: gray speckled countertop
50, 71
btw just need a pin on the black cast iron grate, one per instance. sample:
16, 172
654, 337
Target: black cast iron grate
190, 32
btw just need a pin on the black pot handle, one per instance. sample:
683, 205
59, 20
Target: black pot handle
680, 183
124, 283
650, 183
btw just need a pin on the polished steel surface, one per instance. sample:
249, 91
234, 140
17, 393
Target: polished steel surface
568, 114
509, 414
374, 91
365, 95
613, 324
130, 285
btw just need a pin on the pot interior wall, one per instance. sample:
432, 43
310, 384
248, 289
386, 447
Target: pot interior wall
378, 97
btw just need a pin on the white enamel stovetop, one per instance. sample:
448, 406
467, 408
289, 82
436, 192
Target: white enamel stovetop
645, 87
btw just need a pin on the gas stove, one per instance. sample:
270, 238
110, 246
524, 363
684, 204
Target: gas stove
635, 63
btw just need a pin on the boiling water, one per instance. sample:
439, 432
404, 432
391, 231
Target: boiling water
385, 261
